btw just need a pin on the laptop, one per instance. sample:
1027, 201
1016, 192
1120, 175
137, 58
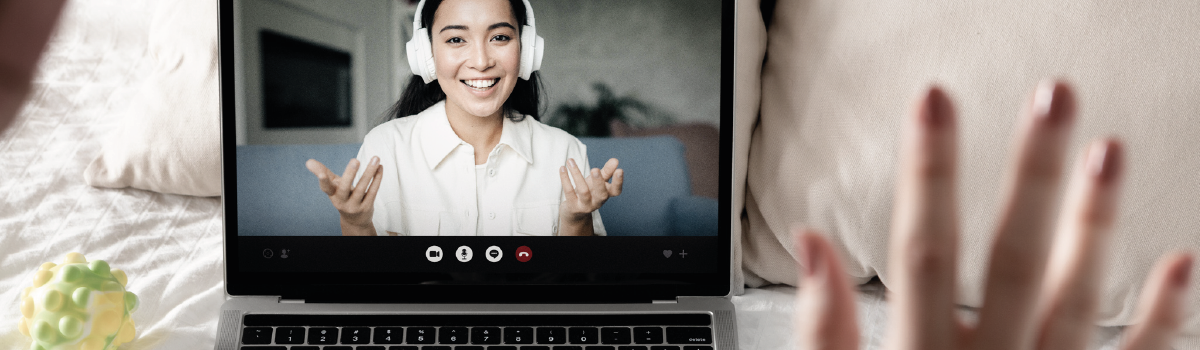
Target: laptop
649, 83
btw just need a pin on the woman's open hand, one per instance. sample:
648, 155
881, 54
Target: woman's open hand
1043, 280
587, 194
355, 203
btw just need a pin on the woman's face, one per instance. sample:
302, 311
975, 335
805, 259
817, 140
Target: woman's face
477, 54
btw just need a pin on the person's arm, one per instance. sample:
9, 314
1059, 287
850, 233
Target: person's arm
586, 195
1036, 297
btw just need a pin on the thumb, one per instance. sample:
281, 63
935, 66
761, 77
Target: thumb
825, 316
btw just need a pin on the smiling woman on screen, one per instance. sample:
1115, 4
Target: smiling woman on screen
464, 153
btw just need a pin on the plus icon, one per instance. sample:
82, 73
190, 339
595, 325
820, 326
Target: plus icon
683, 254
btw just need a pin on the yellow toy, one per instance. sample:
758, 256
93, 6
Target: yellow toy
77, 305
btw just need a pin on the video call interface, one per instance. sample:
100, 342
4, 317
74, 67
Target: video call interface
630, 85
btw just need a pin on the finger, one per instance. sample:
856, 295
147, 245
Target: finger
1077, 256
1021, 246
325, 178
568, 190
614, 189
825, 298
364, 183
1163, 304
610, 167
370, 199
923, 247
597, 185
25, 27
347, 180
581, 187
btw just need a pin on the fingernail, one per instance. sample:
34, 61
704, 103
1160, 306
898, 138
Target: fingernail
932, 114
374, 160
1048, 101
571, 161
1181, 276
1103, 160
810, 256
562, 169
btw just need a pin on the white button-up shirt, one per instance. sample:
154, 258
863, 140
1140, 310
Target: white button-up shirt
431, 184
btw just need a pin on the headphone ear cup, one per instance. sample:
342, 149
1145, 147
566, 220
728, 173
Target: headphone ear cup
420, 55
538, 50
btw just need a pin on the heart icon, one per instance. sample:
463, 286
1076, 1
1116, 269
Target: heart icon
667, 253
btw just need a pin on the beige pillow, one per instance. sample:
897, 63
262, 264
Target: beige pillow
750, 45
170, 139
840, 75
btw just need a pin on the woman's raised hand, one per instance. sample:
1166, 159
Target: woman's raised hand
588, 194
355, 203
1044, 278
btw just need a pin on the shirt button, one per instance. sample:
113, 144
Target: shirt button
492, 215
492, 172
467, 213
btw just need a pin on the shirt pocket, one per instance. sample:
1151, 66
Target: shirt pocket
410, 222
536, 218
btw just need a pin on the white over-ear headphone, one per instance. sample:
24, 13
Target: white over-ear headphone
420, 48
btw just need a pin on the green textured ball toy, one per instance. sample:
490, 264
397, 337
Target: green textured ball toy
77, 305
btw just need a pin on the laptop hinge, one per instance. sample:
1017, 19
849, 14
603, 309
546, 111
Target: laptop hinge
291, 301
664, 301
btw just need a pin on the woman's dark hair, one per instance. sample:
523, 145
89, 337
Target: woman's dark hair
418, 96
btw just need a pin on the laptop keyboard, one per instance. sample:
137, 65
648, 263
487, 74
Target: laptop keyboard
478, 332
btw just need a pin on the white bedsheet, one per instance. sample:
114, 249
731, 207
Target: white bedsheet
170, 245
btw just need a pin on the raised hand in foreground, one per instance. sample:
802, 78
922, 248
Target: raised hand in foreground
1044, 277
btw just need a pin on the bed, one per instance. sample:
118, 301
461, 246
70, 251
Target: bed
171, 245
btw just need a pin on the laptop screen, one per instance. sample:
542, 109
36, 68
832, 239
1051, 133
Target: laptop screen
502, 143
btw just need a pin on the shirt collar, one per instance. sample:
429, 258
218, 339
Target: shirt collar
438, 138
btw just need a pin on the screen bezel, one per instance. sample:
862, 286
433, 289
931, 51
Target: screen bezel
363, 286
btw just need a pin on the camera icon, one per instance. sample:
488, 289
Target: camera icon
434, 253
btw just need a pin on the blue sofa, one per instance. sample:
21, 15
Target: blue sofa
278, 196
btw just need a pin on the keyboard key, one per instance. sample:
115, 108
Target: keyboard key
407, 347
485, 335
263, 348
356, 335
369, 348
420, 335
615, 335
389, 335
689, 335
695, 347
664, 348
306, 348
647, 335
435, 347
584, 335
527, 347
601, 347
631, 348
256, 335
551, 335
569, 347
289, 335
322, 335
452, 335
339, 348
468, 347
518, 335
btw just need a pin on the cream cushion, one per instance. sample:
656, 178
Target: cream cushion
170, 139
840, 75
